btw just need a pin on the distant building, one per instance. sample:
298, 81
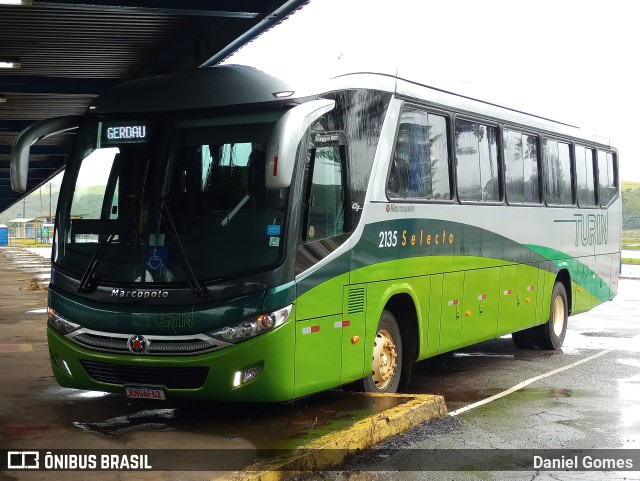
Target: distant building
26, 229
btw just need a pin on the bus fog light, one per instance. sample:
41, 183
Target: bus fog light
241, 377
251, 373
61, 363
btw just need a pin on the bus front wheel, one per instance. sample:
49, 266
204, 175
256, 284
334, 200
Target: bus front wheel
386, 361
551, 335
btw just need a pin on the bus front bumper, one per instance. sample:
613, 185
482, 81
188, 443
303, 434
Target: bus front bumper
268, 360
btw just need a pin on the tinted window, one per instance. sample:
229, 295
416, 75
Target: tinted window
194, 190
584, 176
420, 167
558, 188
521, 164
358, 115
607, 178
477, 162
325, 204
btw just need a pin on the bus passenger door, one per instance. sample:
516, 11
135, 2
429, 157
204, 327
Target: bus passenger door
325, 223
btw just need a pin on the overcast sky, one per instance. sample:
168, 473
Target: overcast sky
574, 61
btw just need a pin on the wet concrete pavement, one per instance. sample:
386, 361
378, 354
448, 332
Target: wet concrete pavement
35, 413
595, 404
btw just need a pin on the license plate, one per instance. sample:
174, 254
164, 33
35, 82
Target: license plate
144, 392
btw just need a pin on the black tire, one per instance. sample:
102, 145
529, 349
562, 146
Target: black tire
551, 334
527, 339
386, 368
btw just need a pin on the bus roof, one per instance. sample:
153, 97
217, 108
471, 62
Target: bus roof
440, 98
201, 88
238, 84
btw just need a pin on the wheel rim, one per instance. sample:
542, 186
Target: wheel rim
384, 359
558, 315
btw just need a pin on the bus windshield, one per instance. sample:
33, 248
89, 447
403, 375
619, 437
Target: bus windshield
149, 201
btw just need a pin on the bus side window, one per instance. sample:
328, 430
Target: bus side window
477, 162
420, 166
521, 167
584, 176
324, 209
558, 186
607, 177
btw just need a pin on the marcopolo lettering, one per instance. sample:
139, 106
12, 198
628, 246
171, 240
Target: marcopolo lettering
139, 294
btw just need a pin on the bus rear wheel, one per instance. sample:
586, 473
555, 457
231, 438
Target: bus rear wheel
386, 362
551, 335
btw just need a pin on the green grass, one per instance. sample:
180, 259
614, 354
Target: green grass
26, 242
626, 185
631, 243
631, 261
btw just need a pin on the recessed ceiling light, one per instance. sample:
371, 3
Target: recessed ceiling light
16, 2
3, 98
10, 62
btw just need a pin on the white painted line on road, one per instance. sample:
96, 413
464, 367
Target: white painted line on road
517, 387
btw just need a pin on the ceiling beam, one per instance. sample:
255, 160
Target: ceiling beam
262, 25
219, 8
55, 85
209, 42
53, 163
10, 125
62, 149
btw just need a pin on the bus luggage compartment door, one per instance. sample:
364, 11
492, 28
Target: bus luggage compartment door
518, 298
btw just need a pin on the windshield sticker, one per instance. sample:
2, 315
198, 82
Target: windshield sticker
312, 232
157, 258
274, 241
273, 230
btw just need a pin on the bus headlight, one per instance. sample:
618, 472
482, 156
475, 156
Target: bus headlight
60, 324
254, 326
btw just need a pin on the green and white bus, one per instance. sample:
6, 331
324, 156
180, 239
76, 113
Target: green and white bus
222, 236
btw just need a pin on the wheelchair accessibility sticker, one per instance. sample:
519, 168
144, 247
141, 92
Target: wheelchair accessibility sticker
157, 258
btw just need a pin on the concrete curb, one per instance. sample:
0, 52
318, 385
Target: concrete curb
331, 450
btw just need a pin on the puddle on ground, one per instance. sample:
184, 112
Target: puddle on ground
42, 310
261, 425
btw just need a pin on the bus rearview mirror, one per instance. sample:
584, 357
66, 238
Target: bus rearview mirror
286, 135
22, 145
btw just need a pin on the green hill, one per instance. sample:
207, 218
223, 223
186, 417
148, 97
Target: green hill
630, 206
34, 205
38, 204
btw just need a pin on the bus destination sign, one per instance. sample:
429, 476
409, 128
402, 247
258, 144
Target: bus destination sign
129, 133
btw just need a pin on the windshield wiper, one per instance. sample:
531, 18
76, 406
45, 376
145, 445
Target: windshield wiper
196, 286
235, 210
85, 282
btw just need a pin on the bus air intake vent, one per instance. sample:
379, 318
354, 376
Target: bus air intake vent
355, 301
171, 377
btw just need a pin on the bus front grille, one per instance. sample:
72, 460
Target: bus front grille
171, 377
157, 345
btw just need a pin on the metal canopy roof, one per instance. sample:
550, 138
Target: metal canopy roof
71, 50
